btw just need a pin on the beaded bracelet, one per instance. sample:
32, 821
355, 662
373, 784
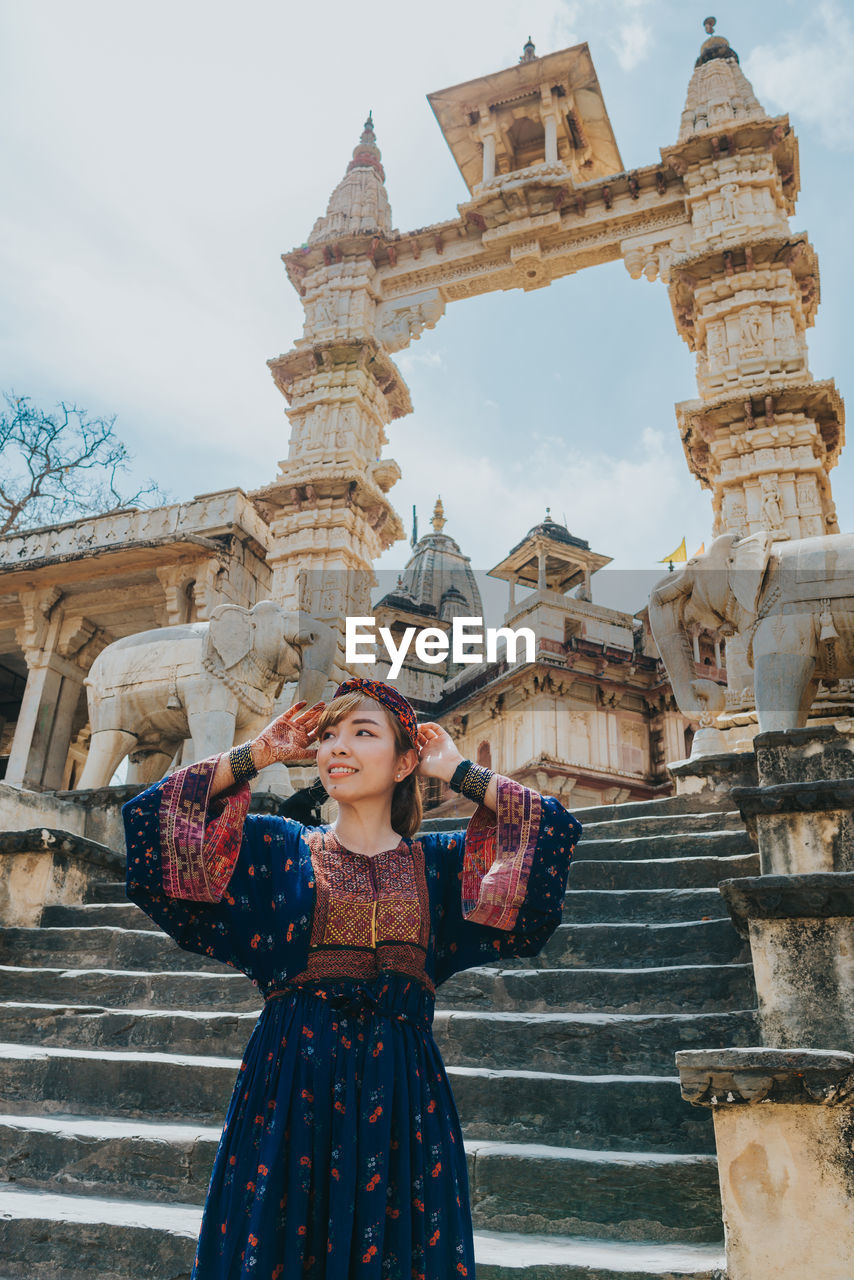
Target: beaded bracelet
471, 780
242, 764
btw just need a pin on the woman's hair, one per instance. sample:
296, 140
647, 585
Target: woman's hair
406, 807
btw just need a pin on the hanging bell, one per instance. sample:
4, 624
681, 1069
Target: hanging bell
828, 630
174, 703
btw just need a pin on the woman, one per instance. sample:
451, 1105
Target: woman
342, 1157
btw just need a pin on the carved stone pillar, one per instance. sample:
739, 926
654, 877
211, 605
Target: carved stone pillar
799, 913
744, 288
328, 508
59, 650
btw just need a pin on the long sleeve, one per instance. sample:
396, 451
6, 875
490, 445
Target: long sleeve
501, 881
203, 869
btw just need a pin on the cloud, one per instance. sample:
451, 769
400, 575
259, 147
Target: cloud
808, 73
633, 508
426, 357
633, 42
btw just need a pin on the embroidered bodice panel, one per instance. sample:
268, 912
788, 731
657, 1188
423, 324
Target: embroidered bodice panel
371, 913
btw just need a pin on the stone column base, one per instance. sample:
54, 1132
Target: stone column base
801, 931
784, 1123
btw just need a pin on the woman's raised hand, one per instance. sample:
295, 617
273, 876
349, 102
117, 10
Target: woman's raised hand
437, 755
290, 737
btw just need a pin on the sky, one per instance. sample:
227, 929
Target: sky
157, 160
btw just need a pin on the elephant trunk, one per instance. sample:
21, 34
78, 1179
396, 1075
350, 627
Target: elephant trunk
701, 700
318, 645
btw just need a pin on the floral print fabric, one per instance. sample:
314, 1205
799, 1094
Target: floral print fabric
341, 1155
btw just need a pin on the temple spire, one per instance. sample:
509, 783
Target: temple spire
719, 93
438, 520
359, 205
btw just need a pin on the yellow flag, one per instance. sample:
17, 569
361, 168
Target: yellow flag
700, 550
679, 554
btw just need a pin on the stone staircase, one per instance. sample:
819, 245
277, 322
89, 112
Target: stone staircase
118, 1054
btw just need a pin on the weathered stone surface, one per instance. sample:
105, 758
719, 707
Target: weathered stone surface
813, 754
801, 931
594, 1042
784, 1123
710, 779
672, 989
88, 948
43, 866
708, 844
656, 873
515, 1187
800, 815
589, 905
731, 1077
121, 988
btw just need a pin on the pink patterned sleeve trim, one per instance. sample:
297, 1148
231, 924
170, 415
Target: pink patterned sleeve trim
499, 854
200, 838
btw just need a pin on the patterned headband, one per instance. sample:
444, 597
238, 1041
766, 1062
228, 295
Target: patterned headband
402, 709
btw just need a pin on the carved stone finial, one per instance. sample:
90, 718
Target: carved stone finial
528, 52
715, 46
439, 520
366, 152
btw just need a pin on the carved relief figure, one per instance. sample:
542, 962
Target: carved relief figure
752, 333
772, 510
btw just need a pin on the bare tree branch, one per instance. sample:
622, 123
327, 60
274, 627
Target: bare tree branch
61, 466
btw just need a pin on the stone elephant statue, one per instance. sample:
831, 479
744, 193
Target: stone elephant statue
791, 603
215, 682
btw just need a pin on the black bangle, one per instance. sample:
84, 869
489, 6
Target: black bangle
242, 764
471, 780
458, 774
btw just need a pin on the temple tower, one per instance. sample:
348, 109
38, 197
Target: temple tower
327, 507
744, 287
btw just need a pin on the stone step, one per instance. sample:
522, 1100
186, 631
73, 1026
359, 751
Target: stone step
584, 906
106, 1155
70, 1237
573, 945
594, 906
120, 988
525, 1188
654, 808
145, 1241
696, 844
109, 946
629, 945
621, 1112
632, 1043
514, 1187
675, 989
106, 891
123, 915
504, 1255
661, 873
664, 824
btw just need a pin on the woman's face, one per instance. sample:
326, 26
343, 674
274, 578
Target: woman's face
357, 757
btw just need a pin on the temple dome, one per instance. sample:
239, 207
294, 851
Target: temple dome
719, 93
548, 528
359, 205
438, 579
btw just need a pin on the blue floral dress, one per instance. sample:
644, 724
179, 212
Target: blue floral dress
341, 1156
